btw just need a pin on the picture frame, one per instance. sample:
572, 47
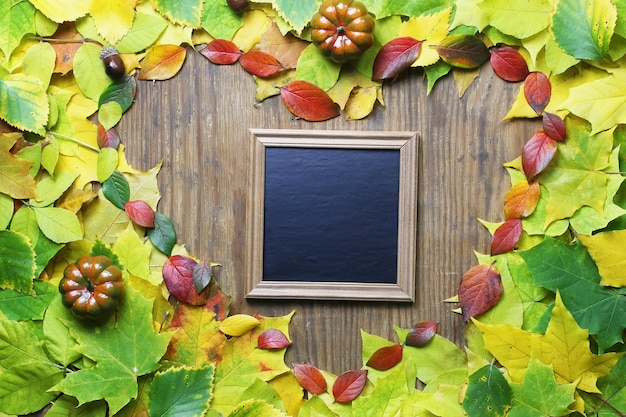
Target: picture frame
370, 146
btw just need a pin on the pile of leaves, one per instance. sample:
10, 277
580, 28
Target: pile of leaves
544, 308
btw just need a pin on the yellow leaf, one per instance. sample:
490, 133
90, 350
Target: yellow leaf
348, 80
113, 18
238, 324
133, 254
431, 30
62, 10
609, 253
14, 177
565, 346
162, 62
255, 24
290, 392
464, 78
361, 102
268, 87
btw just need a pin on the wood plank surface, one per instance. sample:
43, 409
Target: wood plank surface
198, 125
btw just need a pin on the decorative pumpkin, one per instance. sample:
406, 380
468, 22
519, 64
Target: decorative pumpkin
342, 29
92, 287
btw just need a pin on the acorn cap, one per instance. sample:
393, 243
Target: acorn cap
108, 51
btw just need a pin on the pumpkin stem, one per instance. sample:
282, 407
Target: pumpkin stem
341, 30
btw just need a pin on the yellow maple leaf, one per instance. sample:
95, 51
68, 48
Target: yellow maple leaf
62, 10
565, 346
431, 30
113, 18
607, 250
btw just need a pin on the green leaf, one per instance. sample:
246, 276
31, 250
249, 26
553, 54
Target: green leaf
316, 68
58, 224
65, 406
58, 341
162, 235
584, 29
6, 210
256, 408
89, 71
435, 72
24, 388
109, 114
384, 8
39, 62
182, 391
182, 12
143, 33
297, 13
17, 18
386, 399
19, 346
116, 189
315, 407
17, 262
488, 393
108, 159
220, 21
571, 270
539, 395
517, 19
23, 102
50, 189
121, 91
613, 397
123, 349
22, 307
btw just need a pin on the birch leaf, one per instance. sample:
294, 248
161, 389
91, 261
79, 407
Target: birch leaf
62, 10
113, 18
17, 18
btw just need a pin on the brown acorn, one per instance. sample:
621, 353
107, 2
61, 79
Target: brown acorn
113, 64
238, 6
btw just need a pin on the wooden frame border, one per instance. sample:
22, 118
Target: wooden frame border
404, 288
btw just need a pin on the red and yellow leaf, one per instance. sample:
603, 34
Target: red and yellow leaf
508, 63
162, 62
385, 358
421, 333
140, 212
309, 102
260, 63
310, 378
65, 50
537, 91
554, 126
349, 385
396, 56
221, 52
480, 290
178, 277
521, 200
506, 236
537, 154
463, 51
273, 339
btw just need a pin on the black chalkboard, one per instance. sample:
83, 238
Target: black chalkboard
331, 215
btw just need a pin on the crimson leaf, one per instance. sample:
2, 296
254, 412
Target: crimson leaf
396, 56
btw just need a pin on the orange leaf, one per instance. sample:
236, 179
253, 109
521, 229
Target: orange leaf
521, 200
349, 385
285, 48
309, 102
310, 378
421, 333
66, 50
508, 63
537, 91
162, 62
273, 339
221, 52
554, 126
385, 358
396, 56
506, 236
260, 63
480, 290
537, 154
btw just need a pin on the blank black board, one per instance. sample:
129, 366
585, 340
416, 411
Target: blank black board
331, 215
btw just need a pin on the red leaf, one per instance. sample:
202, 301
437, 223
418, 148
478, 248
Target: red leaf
506, 236
221, 52
537, 91
385, 358
349, 385
508, 63
463, 51
260, 63
421, 333
396, 56
310, 378
521, 200
554, 126
273, 339
479, 291
107, 138
537, 154
140, 212
177, 274
309, 102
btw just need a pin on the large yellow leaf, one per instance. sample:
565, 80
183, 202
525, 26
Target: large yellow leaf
14, 177
255, 24
62, 10
564, 345
431, 30
608, 250
113, 18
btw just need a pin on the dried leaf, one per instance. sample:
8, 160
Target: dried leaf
537, 91
221, 52
537, 154
421, 333
309, 102
385, 358
463, 51
238, 324
521, 200
506, 236
260, 63
140, 212
273, 339
178, 277
396, 56
65, 51
508, 63
310, 378
349, 385
285, 48
162, 62
554, 126
480, 290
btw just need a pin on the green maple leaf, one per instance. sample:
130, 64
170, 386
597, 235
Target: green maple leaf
182, 391
613, 397
123, 349
574, 178
17, 18
220, 21
386, 399
539, 395
488, 393
570, 269
384, 8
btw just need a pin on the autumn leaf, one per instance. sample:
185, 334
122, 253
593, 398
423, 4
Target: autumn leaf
107, 138
463, 51
309, 102
537, 154
23, 102
430, 29
488, 393
521, 200
310, 378
162, 62
521, 22
113, 18
537, 90
65, 51
202, 274
62, 10
18, 266
421, 333
349, 385
178, 277
181, 391
389, 397
140, 212
221, 52
14, 171
508, 63
395, 56
385, 358
607, 251
554, 126
182, 12
238, 324
506, 236
479, 290
285, 48
273, 339
260, 63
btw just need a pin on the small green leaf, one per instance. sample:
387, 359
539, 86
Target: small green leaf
6, 210
163, 235
316, 68
58, 224
121, 91
50, 189
116, 189
182, 12
24, 388
39, 62
220, 21
18, 345
58, 342
488, 393
23, 102
108, 159
144, 32
17, 18
257, 408
110, 114
181, 391
89, 71
50, 155
17, 262
22, 307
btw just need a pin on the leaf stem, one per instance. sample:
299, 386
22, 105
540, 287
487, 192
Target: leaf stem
55, 40
71, 139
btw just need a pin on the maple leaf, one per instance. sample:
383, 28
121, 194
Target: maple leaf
519, 20
122, 349
564, 345
608, 251
613, 398
386, 399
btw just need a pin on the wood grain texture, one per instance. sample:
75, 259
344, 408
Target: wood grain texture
198, 125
